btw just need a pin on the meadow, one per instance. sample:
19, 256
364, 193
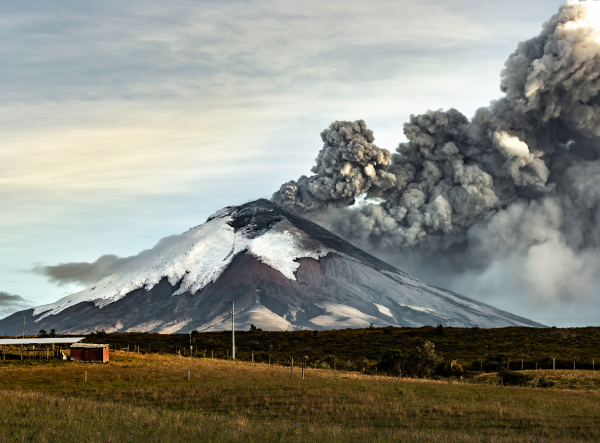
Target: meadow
147, 397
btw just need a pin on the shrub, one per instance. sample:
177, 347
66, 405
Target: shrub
330, 361
512, 378
545, 383
320, 364
457, 370
448, 369
99, 334
422, 361
443, 369
391, 361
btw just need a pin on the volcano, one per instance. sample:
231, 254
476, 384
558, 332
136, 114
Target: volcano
283, 272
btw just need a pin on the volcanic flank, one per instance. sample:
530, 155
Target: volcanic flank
283, 272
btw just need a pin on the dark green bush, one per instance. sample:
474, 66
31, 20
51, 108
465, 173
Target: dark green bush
512, 378
545, 383
517, 378
391, 361
443, 369
422, 361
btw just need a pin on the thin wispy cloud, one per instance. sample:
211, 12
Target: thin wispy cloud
10, 303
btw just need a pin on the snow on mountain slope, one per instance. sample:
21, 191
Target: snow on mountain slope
282, 271
198, 258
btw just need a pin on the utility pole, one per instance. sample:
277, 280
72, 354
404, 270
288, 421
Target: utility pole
232, 312
190, 326
23, 338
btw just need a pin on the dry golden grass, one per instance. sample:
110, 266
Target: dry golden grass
148, 398
562, 379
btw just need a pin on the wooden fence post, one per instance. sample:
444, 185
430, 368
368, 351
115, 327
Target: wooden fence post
252, 356
553, 364
303, 364
85, 377
188, 375
292, 366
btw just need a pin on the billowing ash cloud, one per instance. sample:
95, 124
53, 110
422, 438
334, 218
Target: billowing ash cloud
348, 165
518, 179
10, 303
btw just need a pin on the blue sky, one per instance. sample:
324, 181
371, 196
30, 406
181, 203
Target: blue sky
124, 122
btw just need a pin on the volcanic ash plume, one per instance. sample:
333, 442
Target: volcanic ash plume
523, 172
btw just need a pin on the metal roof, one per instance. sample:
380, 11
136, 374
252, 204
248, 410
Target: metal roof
39, 341
88, 346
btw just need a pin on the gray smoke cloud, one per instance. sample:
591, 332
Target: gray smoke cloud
85, 273
348, 165
10, 303
511, 193
82, 272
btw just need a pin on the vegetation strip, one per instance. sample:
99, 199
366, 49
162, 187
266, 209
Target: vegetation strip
475, 349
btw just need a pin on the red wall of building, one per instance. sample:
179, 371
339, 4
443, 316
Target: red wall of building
81, 354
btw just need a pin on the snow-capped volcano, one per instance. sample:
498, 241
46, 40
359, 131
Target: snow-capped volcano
283, 272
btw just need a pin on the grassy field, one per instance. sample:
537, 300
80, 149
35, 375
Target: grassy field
148, 398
